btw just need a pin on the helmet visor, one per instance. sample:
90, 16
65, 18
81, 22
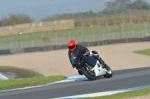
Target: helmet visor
71, 47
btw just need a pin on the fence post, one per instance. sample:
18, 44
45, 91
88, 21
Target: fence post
122, 29
145, 24
69, 34
32, 43
122, 19
98, 21
82, 34
108, 30
19, 40
138, 18
90, 22
22, 44
82, 21
148, 20
42, 39
93, 37
56, 39
13, 40
94, 33
133, 30
113, 19
130, 18
103, 36
106, 20
147, 17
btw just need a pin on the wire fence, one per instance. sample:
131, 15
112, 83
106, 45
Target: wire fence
81, 34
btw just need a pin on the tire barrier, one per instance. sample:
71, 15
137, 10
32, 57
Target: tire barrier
5, 52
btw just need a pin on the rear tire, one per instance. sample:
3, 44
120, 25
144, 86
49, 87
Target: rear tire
109, 72
89, 74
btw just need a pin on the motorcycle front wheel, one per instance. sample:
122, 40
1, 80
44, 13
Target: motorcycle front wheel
109, 72
88, 73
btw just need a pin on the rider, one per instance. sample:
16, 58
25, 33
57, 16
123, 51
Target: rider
72, 45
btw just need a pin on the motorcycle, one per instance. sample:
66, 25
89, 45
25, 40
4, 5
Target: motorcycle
90, 66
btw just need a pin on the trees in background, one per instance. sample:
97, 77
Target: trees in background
14, 19
115, 7
124, 6
140, 5
112, 7
70, 16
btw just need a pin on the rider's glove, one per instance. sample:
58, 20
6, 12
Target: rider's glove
87, 53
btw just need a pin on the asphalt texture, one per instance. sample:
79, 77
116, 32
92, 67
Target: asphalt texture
121, 79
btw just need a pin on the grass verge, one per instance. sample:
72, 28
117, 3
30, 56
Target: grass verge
19, 72
129, 94
145, 52
25, 78
24, 82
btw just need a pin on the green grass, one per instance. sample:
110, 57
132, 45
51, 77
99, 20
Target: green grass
24, 82
144, 52
25, 78
129, 94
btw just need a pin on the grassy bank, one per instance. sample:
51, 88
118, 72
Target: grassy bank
24, 82
24, 78
144, 52
125, 94
19, 72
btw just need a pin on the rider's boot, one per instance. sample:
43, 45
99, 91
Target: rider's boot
79, 71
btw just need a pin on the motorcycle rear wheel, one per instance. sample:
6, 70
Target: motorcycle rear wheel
89, 74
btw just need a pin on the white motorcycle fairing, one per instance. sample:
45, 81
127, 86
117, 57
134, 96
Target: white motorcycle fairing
98, 69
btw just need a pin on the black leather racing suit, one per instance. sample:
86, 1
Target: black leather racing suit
81, 49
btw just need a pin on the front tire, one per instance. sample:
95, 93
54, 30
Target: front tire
109, 72
89, 74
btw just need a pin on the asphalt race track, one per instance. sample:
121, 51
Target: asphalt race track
121, 79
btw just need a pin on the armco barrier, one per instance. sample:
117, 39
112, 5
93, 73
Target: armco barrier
127, 40
5, 52
45, 48
87, 44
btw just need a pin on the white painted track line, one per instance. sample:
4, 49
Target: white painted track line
2, 77
102, 93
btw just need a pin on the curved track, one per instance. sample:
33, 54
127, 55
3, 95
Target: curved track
121, 79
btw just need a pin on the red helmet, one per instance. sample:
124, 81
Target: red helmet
72, 45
